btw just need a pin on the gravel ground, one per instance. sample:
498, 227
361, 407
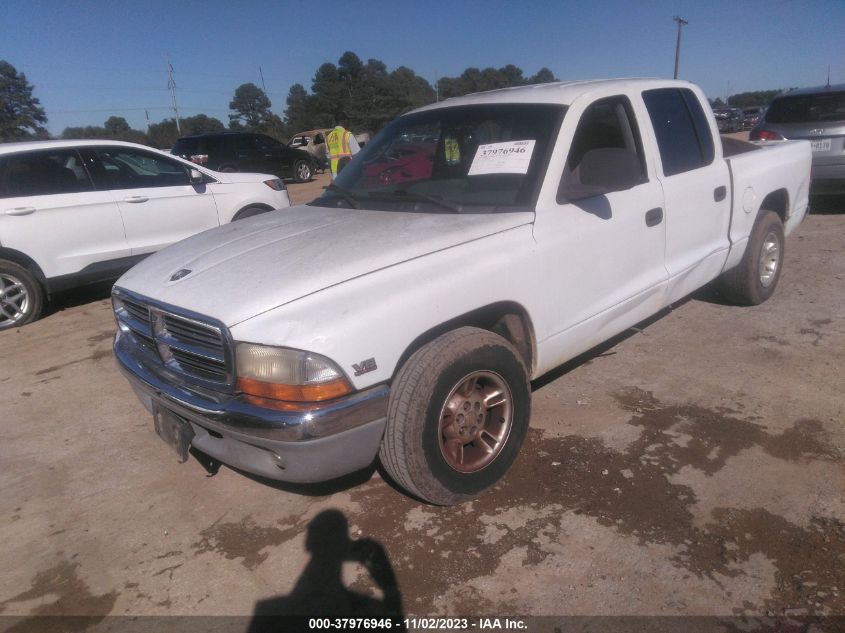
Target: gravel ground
693, 466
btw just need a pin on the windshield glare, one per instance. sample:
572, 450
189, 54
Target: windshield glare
480, 156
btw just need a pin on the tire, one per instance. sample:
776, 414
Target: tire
438, 421
302, 171
21, 296
755, 278
248, 212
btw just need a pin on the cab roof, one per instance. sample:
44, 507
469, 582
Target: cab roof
561, 92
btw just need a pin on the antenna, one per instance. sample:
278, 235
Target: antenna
828, 76
681, 23
171, 85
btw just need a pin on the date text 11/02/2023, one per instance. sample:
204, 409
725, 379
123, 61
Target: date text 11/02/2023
418, 624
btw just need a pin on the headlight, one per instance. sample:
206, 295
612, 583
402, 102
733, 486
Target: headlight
289, 375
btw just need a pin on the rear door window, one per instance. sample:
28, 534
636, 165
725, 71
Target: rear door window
680, 125
43, 173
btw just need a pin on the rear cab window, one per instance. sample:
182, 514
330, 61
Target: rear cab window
680, 126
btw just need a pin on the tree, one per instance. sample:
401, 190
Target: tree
21, 114
200, 124
251, 106
543, 76
116, 127
163, 135
298, 112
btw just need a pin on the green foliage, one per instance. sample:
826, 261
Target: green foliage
749, 99
116, 128
163, 135
367, 92
21, 114
475, 80
251, 106
200, 124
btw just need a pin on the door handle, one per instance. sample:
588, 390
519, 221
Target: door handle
653, 217
20, 211
135, 199
719, 193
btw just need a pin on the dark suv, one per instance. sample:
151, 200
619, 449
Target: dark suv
241, 151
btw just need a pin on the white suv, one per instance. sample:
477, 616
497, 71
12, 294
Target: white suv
79, 212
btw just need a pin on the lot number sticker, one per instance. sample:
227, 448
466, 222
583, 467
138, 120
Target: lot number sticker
511, 157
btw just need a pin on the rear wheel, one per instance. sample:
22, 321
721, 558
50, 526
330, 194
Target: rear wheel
302, 171
458, 414
21, 296
755, 278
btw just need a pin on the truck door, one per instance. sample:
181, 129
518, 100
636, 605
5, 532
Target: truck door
602, 245
696, 187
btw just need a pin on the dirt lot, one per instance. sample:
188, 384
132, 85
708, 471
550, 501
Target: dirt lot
693, 467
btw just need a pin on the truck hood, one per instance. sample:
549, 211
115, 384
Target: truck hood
240, 270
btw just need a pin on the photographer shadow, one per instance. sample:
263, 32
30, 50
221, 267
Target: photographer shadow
320, 591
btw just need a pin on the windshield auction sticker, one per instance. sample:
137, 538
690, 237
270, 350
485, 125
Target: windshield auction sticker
511, 157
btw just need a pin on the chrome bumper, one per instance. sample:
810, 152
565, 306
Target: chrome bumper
310, 445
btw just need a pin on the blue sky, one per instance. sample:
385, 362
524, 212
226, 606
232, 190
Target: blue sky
88, 60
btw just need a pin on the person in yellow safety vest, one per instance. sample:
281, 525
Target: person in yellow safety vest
341, 145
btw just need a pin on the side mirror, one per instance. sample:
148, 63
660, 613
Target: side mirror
196, 177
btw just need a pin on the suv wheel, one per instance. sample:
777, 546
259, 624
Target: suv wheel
302, 171
21, 297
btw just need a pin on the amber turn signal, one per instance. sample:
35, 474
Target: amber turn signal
295, 393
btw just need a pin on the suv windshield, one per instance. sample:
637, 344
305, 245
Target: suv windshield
808, 108
464, 158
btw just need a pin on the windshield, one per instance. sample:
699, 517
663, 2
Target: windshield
476, 158
808, 108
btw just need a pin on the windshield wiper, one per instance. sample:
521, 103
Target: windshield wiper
413, 195
345, 194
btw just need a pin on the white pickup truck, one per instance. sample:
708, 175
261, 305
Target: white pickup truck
471, 247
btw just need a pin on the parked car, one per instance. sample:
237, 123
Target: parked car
751, 116
817, 115
405, 319
78, 212
313, 142
728, 119
242, 151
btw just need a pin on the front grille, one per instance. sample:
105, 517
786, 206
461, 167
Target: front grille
186, 344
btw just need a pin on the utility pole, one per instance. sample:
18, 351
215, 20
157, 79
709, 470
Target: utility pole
264, 88
436, 88
681, 23
171, 85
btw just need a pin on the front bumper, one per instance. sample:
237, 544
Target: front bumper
310, 445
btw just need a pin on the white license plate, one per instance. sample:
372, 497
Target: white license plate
821, 145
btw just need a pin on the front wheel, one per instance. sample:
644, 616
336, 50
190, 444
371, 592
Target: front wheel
754, 280
302, 171
21, 296
248, 213
458, 414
